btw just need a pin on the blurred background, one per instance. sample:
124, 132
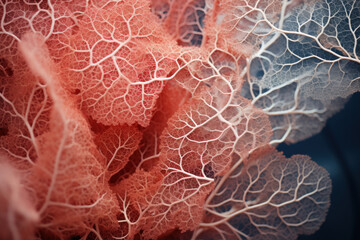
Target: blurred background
337, 148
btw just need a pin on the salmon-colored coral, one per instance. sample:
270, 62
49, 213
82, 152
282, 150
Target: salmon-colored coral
154, 119
66, 150
104, 62
117, 144
18, 215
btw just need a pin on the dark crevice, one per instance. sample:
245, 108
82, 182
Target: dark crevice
9, 72
209, 171
77, 91
75, 238
3, 131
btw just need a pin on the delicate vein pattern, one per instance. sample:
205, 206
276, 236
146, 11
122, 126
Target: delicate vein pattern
270, 197
66, 178
303, 61
117, 145
306, 66
104, 62
196, 146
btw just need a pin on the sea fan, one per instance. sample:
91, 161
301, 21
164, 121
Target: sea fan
159, 119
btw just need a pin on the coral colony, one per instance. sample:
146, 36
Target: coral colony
159, 119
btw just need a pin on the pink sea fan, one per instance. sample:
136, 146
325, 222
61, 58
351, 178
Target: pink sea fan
158, 119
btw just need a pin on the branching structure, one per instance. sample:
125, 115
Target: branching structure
158, 119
